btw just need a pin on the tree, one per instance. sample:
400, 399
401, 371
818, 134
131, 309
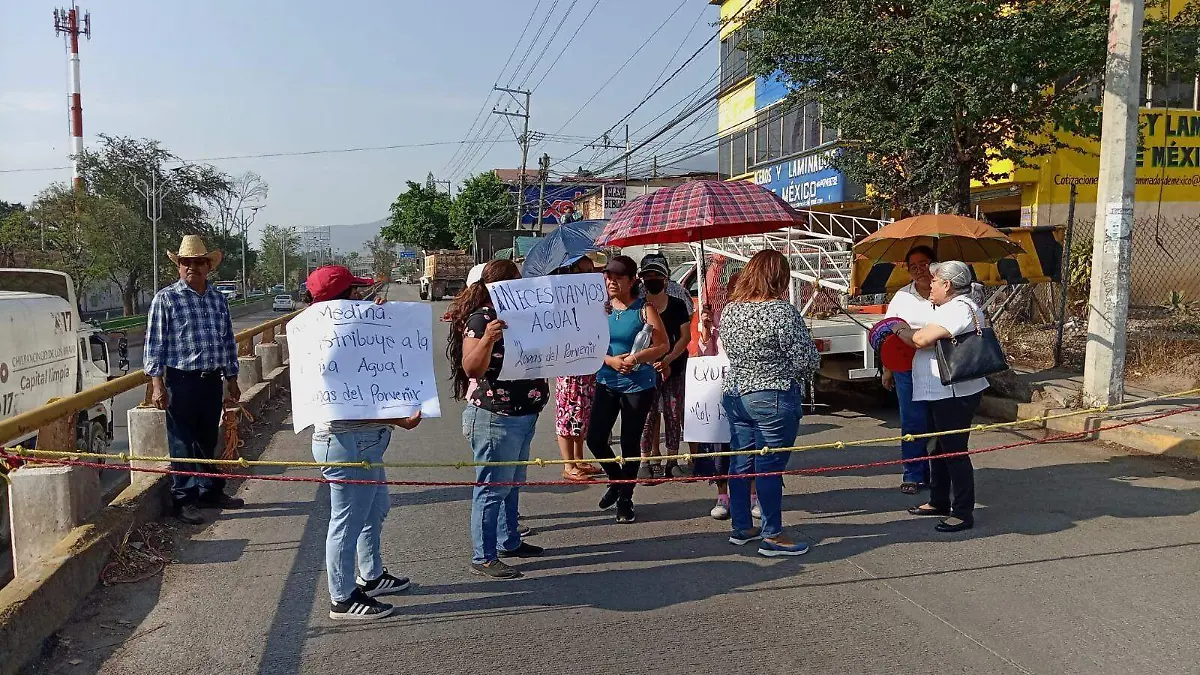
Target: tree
276, 242
420, 217
383, 255
927, 96
110, 171
247, 191
71, 227
18, 236
484, 201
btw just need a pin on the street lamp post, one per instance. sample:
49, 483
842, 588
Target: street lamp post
154, 194
244, 224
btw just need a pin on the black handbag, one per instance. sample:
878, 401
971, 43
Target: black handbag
969, 356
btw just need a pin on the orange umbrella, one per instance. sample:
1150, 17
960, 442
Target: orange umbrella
951, 237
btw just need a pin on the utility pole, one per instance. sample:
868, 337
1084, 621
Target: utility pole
627, 161
543, 174
654, 167
448, 184
244, 226
1108, 314
523, 139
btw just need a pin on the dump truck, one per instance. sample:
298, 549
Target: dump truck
445, 273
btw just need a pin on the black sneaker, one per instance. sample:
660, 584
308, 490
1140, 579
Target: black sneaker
385, 584
496, 570
523, 551
625, 511
610, 497
189, 514
359, 607
525, 530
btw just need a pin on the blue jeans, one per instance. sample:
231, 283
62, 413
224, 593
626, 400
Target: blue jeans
194, 404
356, 511
914, 419
496, 438
761, 419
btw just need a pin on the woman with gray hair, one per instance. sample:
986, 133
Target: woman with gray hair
952, 406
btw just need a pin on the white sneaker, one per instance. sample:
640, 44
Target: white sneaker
720, 511
755, 509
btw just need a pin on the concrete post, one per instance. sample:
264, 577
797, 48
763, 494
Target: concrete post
45, 504
147, 438
1104, 364
270, 355
281, 340
249, 372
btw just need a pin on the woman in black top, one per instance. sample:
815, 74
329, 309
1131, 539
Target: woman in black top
498, 421
671, 367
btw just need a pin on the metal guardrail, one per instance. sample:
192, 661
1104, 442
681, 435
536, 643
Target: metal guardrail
69, 406
127, 322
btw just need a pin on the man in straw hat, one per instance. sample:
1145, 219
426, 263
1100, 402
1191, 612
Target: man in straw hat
190, 354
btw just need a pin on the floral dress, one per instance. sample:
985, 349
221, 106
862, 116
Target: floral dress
503, 397
573, 404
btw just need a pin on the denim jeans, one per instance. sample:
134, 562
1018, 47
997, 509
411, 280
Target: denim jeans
914, 419
760, 419
194, 404
496, 438
356, 511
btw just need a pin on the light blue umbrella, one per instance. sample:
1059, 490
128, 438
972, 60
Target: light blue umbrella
563, 246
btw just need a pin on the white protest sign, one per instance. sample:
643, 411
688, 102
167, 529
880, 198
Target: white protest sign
704, 419
556, 325
355, 360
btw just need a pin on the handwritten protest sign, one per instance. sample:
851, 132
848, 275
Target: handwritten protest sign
355, 360
557, 325
703, 415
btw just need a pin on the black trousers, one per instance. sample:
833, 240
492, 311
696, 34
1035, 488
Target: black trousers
952, 480
633, 407
195, 401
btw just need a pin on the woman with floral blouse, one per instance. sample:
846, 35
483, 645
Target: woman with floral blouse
771, 356
498, 421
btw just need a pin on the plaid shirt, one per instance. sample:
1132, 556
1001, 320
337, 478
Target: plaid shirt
189, 331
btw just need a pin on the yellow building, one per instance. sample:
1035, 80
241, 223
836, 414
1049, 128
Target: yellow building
784, 149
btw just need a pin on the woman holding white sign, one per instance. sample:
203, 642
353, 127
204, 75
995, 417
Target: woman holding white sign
626, 381
498, 422
770, 355
353, 562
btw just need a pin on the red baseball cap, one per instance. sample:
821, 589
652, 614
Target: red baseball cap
330, 281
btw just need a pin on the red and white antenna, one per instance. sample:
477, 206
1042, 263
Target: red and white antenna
66, 21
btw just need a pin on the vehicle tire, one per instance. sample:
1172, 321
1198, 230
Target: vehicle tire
98, 440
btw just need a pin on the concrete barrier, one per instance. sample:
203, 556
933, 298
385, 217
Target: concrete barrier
46, 503
249, 372
35, 604
270, 355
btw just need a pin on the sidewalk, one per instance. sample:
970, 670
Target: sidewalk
1083, 561
1030, 394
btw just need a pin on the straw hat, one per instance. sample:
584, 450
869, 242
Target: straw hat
193, 246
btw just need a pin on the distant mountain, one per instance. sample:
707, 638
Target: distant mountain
347, 238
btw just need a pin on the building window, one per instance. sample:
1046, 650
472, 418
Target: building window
761, 135
735, 60
812, 125
1172, 91
739, 154
724, 157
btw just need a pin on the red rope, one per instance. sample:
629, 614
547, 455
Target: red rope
5, 454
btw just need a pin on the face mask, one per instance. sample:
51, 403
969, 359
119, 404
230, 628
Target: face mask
655, 286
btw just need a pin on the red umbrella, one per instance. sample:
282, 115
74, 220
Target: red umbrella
697, 210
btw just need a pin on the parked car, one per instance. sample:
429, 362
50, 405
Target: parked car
277, 289
283, 303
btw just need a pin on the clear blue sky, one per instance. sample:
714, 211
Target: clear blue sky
234, 77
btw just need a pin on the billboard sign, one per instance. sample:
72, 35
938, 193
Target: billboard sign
808, 181
557, 201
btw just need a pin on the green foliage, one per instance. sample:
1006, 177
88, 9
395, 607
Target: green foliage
483, 202
926, 95
276, 240
383, 254
1176, 302
420, 217
18, 236
1079, 274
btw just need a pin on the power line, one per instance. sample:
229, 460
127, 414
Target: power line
540, 31
538, 61
295, 153
566, 45
622, 67
487, 99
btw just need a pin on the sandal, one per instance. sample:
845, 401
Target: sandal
590, 469
927, 510
575, 475
910, 488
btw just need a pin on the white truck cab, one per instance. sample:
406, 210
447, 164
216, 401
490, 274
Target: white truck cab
47, 352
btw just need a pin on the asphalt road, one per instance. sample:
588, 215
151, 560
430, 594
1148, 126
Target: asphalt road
1083, 561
